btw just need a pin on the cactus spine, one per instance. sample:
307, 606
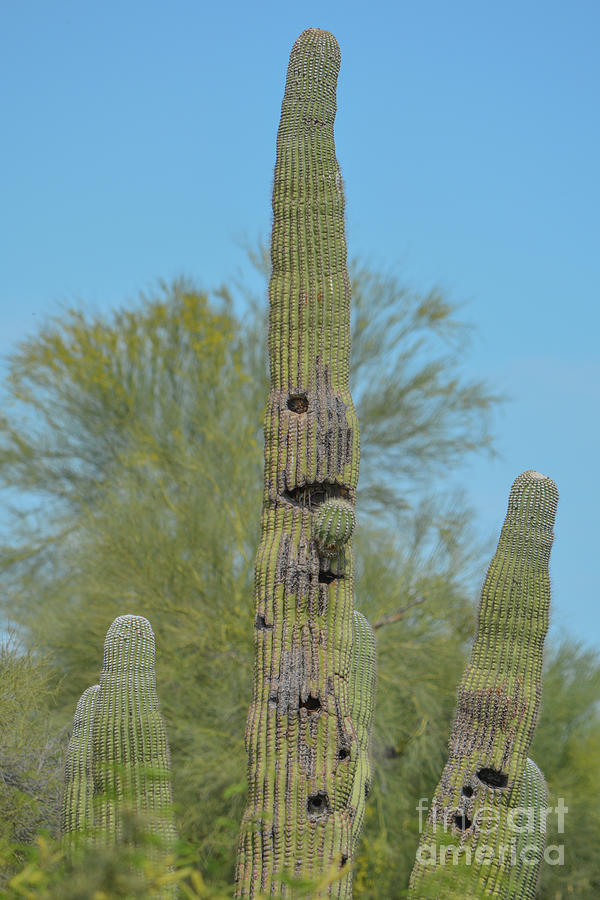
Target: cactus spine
302, 745
465, 847
118, 757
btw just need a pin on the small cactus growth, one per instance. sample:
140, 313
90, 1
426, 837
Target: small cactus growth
467, 847
118, 758
302, 743
333, 524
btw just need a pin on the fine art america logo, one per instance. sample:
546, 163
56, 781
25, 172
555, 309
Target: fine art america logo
522, 825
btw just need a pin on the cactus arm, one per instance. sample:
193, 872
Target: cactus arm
497, 708
77, 800
531, 803
362, 708
298, 819
131, 761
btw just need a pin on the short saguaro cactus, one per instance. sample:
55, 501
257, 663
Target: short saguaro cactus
118, 762
131, 763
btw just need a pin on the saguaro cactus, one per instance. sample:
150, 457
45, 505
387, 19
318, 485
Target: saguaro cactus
118, 757
529, 821
131, 763
467, 848
362, 708
77, 804
302, 745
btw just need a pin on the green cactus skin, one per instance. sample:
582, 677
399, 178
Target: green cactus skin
299, 821
131, 763
77, 806
532, 798
469, 825
362, 710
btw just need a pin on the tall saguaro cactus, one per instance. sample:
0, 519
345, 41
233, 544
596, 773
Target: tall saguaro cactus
468, 845
301, 742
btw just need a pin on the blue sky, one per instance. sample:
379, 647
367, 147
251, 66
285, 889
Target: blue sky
139, 143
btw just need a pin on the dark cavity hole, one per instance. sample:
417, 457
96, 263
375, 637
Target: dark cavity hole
328, 577
343, 861
312, 704
260, 623
310, 495
467, 791
343, 753
317, 805
493, 778
297, 403
462, 822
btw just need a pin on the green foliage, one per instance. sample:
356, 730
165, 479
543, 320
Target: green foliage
30, 749
125, 871
128, 869
567, 743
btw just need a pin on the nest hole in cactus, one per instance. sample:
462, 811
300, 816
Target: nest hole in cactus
328, 577
462, 821
260, 623
493, 778
297, 403
311, 704
317, 805
344, 753
312, 495
467, 791
343, 861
